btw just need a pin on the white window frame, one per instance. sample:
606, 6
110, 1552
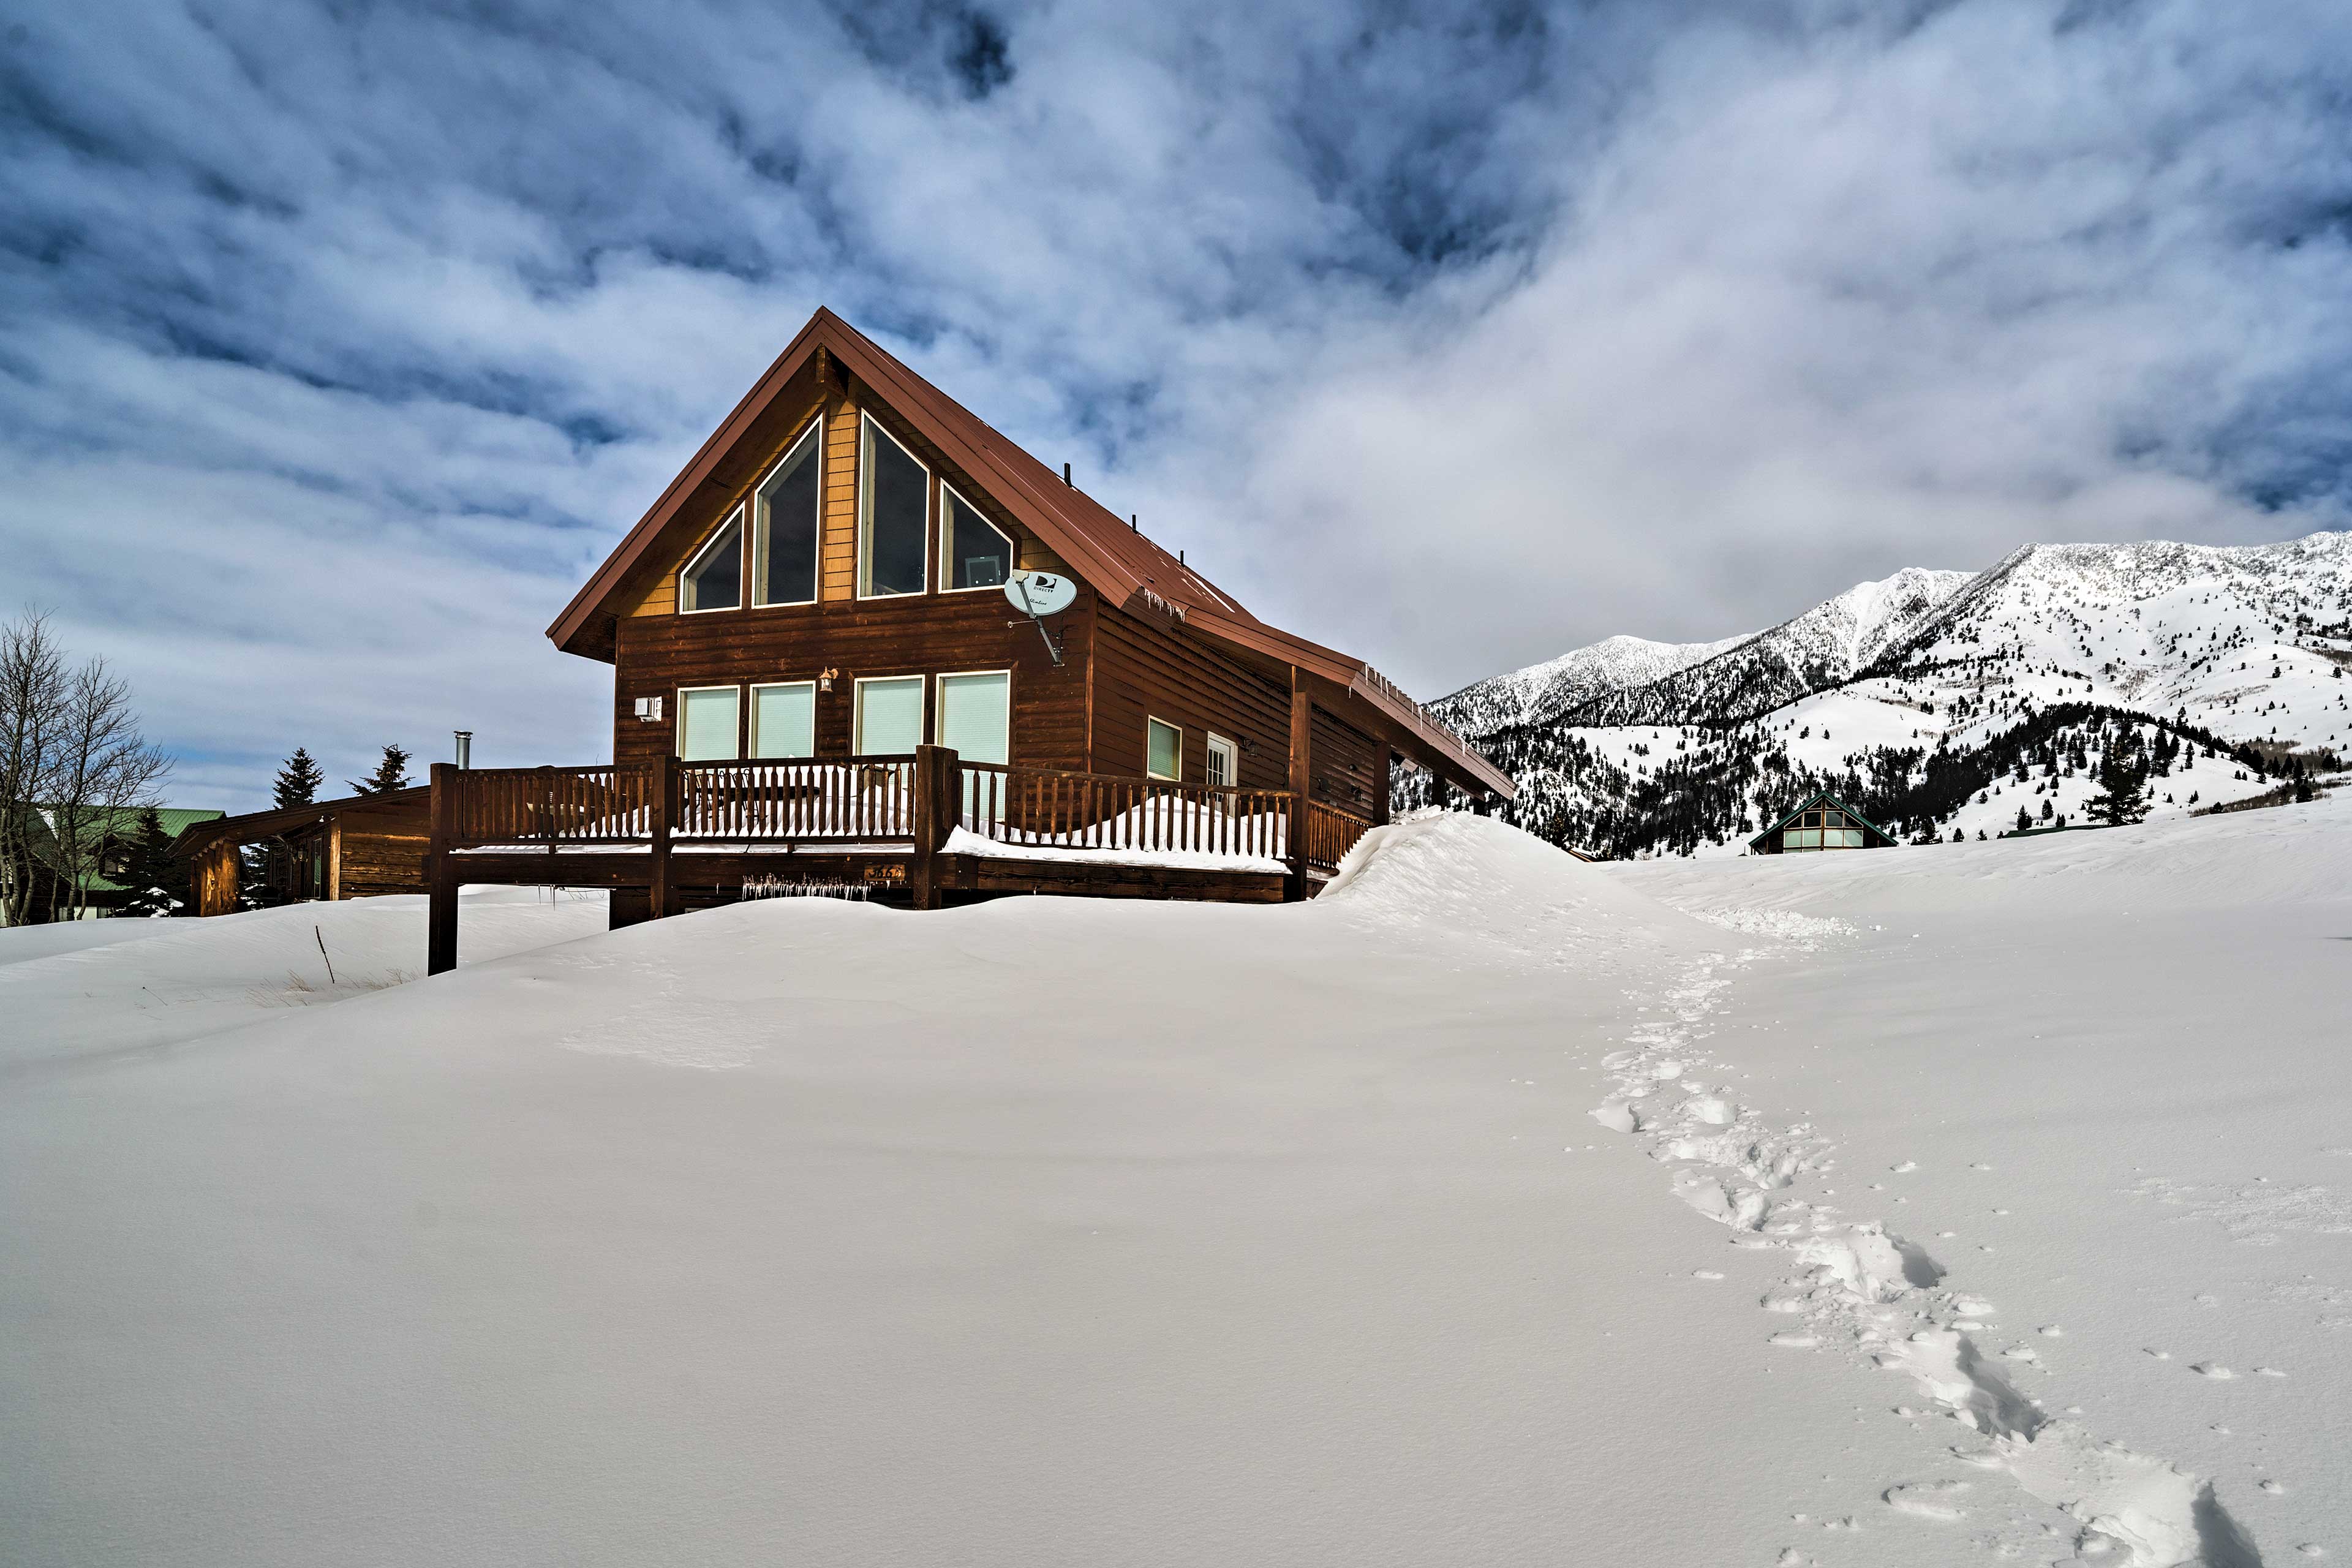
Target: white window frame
756, 522
677, 731
860, 576
947, 572
740, 515
858, 701
1176, 777
751, 716
940, 708
1214, 744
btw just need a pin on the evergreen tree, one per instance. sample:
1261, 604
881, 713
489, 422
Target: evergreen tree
2123, 783
299, 780
391, 774
2024, 822
148, 872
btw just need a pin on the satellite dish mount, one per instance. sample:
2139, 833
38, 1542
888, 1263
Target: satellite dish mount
1038, 594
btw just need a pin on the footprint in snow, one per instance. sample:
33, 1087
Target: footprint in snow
1930, 1500
2273, 1488
1905, 1168
1705, 1273
2269, 1372
2212, 1369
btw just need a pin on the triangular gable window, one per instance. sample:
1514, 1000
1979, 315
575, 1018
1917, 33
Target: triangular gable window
974, 552
713, 580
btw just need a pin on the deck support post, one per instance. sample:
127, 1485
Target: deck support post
1302, 778
441, 908
662, 812
938, 781
1385, 768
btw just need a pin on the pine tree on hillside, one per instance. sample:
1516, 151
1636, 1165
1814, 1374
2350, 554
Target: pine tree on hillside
391, 774
148, 872
298, 781
2024, 822
2123, 783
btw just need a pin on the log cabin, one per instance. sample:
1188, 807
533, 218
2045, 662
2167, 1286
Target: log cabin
358, 847
818, 681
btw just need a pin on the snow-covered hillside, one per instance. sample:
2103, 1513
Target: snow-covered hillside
1544, 690
1869, 1211
2237, 655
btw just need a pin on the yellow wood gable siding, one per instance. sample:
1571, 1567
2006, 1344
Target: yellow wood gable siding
837, 552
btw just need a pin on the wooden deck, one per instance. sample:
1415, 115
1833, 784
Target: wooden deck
921, 830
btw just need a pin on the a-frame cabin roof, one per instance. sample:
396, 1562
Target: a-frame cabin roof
1118, 562
1819, 798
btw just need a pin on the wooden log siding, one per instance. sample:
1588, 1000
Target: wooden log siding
925, 635
1053, 809
1148, 669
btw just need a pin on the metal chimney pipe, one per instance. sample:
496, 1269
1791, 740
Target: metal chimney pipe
465, 747
1065, 473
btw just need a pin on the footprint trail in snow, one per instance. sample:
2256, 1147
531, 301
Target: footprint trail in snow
1858, 1284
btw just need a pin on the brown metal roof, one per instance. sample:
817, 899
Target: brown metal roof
1118, 562
255, 825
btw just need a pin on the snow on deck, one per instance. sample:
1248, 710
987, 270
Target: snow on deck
1942, 1206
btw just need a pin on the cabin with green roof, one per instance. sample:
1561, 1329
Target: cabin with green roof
1821, 821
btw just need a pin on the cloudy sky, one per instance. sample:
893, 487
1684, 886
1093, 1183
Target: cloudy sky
338, 342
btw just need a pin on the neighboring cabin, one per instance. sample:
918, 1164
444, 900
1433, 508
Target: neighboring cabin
354, 847
1819, 822
87, 882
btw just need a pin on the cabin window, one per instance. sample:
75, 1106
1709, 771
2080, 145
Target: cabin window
889, 720
973, 554
1163, 756
713, 580
706, 723
975, 716
893, 518
783, 719
785, 507
1224, 763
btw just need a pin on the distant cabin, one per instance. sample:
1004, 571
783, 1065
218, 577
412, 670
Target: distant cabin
354, 847
1820, 822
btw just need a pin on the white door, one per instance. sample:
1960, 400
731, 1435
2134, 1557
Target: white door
1224, 763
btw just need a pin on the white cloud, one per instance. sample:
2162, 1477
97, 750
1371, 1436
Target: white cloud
334, 351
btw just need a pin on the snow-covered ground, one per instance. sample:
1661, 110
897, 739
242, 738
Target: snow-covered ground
1492, 1208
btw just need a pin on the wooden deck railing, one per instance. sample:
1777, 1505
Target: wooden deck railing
1053, 809
864, 800
552, 805
905, 799
1330, 834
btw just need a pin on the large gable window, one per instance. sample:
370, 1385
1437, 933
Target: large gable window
713, 580
785, 512
973, 552
892, 516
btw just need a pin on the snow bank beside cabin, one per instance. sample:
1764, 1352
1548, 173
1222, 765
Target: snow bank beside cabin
163, 980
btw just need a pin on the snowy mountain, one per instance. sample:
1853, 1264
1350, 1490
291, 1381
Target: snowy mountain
1543, 690
1916, 696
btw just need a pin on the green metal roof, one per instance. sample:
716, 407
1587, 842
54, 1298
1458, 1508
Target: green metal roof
1819, 798
120, 822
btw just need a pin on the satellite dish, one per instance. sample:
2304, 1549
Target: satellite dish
1040, 593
